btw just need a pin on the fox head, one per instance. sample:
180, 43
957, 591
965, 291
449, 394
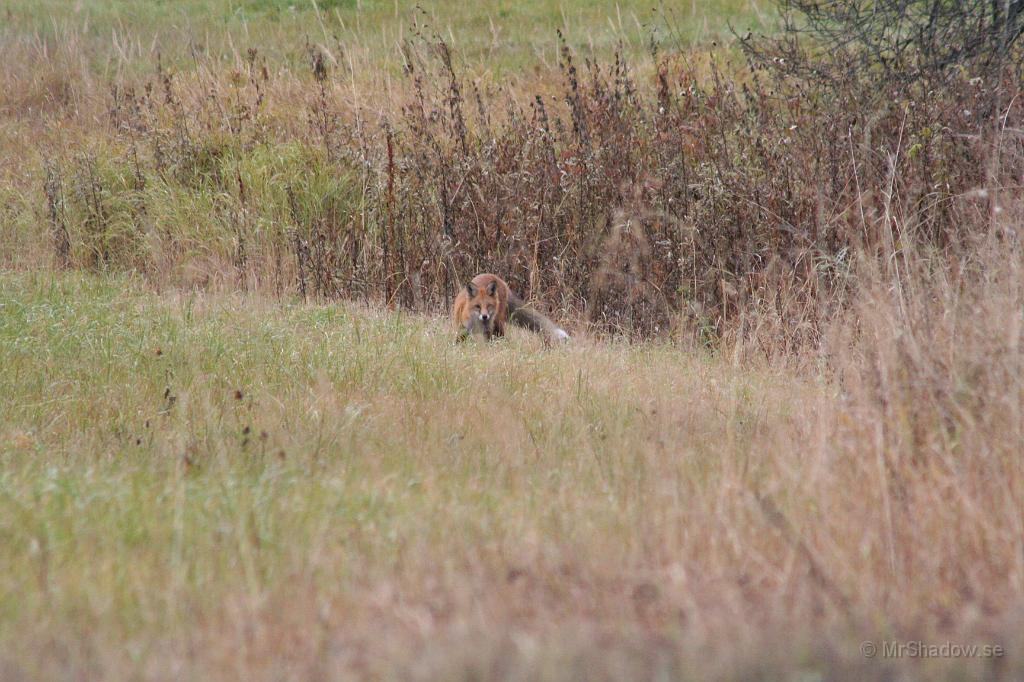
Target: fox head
482, 306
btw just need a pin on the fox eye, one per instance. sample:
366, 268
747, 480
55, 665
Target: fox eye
476, 307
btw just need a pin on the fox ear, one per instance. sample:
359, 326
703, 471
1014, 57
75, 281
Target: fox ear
492, 288
471, 289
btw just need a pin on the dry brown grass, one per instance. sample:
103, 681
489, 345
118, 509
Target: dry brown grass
668, 198
417, 510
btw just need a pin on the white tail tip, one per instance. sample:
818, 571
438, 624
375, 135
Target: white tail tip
561, 335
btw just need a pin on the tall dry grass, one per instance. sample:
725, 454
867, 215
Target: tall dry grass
677, 198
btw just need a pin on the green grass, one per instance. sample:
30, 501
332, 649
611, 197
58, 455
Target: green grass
166, 461
215, 486
497, 36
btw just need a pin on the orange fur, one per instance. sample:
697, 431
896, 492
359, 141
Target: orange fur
486, 305
485, 293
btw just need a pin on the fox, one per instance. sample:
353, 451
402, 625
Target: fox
486, 304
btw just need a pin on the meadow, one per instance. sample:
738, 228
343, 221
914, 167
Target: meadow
217, 486
238, 441
499, 36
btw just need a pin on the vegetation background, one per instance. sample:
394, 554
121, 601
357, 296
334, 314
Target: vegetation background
237, 441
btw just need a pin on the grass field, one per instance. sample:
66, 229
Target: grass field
238, 441
230, 485
215, 486
501, 37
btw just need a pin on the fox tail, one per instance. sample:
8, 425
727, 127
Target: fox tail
523, 315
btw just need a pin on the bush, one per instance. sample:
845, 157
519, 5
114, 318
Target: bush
894, 41
738, 204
